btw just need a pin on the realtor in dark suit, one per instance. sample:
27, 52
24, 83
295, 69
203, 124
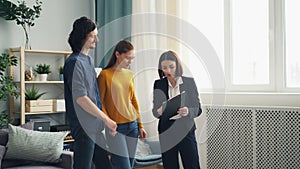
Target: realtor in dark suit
176, 135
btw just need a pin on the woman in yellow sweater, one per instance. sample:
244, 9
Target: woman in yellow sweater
119, 102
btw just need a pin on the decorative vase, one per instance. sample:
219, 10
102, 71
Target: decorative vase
29, 74
27, 36
43, 77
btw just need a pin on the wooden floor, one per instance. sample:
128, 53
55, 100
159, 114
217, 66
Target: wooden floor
151, 167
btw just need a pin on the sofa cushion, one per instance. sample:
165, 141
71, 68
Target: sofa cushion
2, 152
35, 167
3, 137
29, 125
8, 163
34, 145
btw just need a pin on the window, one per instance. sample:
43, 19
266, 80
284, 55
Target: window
255, 40
292, 36
249, 42
208, 18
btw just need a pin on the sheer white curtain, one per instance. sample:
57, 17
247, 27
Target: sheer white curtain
158, 26
150, 24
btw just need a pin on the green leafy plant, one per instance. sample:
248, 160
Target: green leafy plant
3, 119
33, 93
7, 61
61, 69
22, 14
7, 86
42, 69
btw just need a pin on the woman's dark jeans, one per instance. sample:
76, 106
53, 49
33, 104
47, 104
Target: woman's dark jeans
123, 145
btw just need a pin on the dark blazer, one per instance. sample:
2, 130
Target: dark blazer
160, 94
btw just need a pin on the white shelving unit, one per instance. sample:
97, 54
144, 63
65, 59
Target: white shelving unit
23, 55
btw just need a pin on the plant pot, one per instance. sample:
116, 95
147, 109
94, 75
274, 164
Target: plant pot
59, 105
39, 105
43, 77
61, 77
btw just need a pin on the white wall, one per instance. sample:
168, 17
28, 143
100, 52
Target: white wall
51, 30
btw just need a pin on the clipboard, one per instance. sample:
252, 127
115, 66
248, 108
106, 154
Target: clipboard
171, 106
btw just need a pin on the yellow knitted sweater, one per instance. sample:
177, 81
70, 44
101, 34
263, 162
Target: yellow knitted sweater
117, 95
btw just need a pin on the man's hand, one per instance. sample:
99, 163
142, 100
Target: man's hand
90, 107
112, 125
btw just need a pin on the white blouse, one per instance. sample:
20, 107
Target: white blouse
174, 91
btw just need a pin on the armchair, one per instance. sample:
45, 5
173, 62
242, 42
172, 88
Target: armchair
153, 158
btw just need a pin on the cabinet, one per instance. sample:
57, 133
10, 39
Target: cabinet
29, 58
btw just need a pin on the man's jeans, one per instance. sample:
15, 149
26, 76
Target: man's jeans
86, 151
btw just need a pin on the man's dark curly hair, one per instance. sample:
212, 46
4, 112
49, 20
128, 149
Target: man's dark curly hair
81, 28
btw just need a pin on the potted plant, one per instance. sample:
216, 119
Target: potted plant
7, 86
61, 73
22, 14
43, 70
33, 93
32, 102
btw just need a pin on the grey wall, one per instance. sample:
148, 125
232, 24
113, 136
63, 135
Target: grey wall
51, 29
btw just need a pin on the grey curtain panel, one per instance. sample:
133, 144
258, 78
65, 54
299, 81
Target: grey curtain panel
114, 21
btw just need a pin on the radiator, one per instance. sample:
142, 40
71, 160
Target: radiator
252, 137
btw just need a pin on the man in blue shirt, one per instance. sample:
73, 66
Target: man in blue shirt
83, 107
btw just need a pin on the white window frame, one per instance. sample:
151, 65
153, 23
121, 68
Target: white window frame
282, 86
277, 57
230, 87
277, 75
279, 65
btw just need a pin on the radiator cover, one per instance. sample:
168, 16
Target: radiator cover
253, 137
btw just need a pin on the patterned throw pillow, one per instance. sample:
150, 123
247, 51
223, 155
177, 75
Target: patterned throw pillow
34, 145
